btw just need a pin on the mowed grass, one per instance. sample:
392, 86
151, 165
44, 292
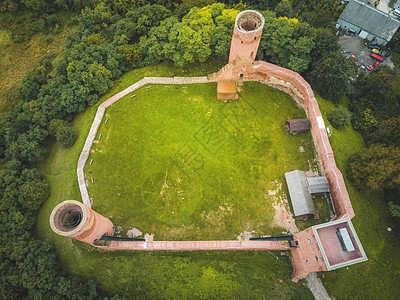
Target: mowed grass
379, 277
154, 275
176, 162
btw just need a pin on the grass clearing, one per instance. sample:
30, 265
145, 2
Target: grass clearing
379, 277
203, 274
177, 163
18, 57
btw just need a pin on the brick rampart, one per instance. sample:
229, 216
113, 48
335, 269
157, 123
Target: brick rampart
299, 89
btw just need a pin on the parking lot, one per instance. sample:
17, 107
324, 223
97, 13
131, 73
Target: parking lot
355, 46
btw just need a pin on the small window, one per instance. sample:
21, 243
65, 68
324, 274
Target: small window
255, 38
241, 42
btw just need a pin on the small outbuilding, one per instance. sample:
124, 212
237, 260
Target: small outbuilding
317, 185
368, 22
298, 125
226, 90
299, 195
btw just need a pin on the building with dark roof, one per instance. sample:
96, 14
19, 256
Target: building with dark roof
368, 22
298, 125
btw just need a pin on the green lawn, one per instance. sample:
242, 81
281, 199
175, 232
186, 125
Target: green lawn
379, 277
175, 162
223, 274
203, 274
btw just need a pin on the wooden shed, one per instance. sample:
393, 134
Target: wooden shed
226, 90
298, 125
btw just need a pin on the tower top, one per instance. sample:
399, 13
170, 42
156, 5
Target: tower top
246, 36
68, 218
249, 21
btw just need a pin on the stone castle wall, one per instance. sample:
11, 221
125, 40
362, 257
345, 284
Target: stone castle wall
295, 85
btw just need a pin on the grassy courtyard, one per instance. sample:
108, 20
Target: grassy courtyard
184, 275
175, 162
208, 274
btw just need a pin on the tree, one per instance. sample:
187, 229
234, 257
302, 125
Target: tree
387, 133
394, 209
330, 75
140, 21
64, 133
286, 42
376, 168
364, 121
66, 136
284, 8
339, 117
377, 88
201, 32
325, 44
131, 54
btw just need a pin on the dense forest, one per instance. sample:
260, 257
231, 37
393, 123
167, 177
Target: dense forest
115, 36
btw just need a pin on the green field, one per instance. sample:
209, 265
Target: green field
200, 274
175, 162
208, 274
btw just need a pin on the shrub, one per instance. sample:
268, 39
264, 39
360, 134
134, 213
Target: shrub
66, 136
339, 117
64, 133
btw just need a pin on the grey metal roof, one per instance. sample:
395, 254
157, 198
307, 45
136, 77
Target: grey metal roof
317, 185
299, 195
370, 19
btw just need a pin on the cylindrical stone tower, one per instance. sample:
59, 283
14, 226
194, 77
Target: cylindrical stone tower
246, 36
73, 219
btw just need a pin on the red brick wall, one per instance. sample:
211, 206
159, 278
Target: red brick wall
263, 72
295, 85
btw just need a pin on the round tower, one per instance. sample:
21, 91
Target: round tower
246, 36
73, 219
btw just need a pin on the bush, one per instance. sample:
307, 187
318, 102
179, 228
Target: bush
64, 133
339, 117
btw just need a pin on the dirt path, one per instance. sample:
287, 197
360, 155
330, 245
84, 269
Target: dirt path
316, 287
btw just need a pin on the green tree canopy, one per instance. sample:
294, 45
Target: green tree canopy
286, 42
376, 168
330, 74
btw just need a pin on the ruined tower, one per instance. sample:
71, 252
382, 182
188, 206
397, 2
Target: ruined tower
246, 36
245, 41
73, 219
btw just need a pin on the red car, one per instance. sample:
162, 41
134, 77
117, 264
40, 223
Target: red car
376, 56
376, 64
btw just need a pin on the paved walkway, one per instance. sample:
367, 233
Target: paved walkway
316, 287
198, 245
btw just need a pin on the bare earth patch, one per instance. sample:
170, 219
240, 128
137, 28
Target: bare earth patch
283, 217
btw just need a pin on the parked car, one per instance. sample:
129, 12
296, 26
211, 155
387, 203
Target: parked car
376, 56
376, 64
370, 67
375, 50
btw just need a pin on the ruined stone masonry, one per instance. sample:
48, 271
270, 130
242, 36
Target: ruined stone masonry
315, 249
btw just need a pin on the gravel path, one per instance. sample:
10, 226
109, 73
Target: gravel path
316, 287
